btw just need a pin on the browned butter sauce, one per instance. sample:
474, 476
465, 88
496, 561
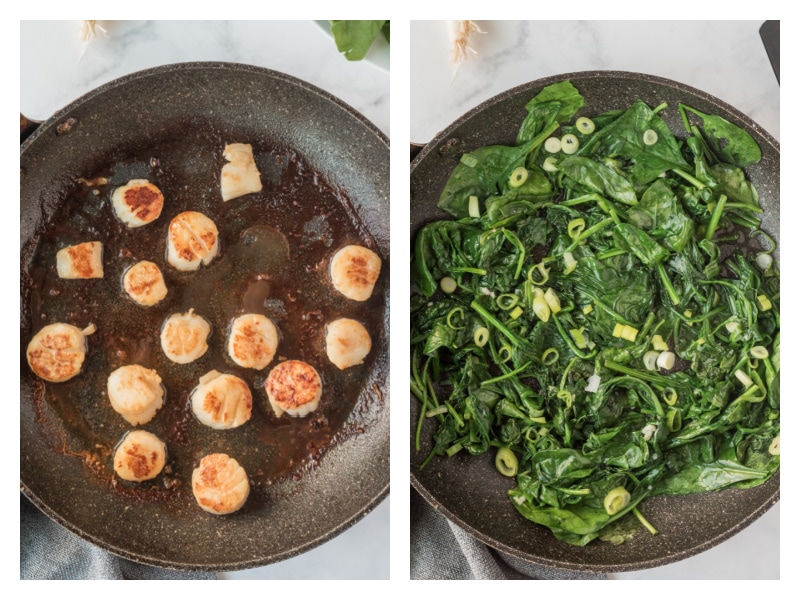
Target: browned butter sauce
274, 251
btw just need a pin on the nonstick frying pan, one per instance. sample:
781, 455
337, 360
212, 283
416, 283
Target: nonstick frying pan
326, 183
469, 490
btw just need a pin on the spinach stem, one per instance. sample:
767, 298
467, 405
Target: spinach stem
715, 216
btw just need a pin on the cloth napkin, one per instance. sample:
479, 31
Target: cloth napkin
442, 550
49, 551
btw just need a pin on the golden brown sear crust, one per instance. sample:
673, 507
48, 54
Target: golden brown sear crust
253, 341
144, 283
137, 203
145, 202
192, 240
80, 261
294, 387
220, 484
139, 456
222, 401
354, 272
56, 352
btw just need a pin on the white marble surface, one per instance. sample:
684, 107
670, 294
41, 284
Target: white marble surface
724, 58
56, 68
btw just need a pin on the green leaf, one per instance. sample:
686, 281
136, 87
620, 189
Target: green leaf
730, 142
354, 38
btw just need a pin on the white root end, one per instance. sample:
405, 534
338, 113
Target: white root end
460, 32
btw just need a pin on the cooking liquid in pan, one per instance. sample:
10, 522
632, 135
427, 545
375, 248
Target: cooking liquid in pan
275, 248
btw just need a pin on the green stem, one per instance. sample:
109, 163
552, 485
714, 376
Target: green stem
715, 216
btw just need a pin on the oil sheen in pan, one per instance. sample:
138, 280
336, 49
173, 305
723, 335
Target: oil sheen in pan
274, 252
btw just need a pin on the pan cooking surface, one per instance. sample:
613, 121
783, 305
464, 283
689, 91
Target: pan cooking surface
275, 246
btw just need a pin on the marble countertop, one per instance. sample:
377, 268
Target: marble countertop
57, 68
724, 58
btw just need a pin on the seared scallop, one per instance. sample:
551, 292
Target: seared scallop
81, 261
192, 240
144, 283
135, 393
184, 337
240, 176
57, 351
347, 343
222, 401
354, 271
139, 456
293, 387
137, 203
253, 341
220, 484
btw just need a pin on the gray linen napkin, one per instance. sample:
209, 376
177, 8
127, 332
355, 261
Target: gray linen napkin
442, 550
49, 551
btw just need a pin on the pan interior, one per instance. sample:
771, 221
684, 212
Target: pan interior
469, 490
170, 125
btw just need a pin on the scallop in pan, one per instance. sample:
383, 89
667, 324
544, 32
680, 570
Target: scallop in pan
57, 351
252, 341
139, 456
293, 387
222, 401
220, 484
192, 240
354, 271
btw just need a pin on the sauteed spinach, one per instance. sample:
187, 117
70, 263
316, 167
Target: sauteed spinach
603, 313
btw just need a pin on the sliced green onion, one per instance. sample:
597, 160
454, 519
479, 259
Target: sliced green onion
580, 339
650, 137
659, 343
506, 462
518, 177
448, 285
669, 395
540, 306
764, 261
504, 353
585, 125
552, 145
570, 144
552, 301
666, 360
507, 301
629, 333
550, 164
592, 384
569, 263
469, 160
587, 309
650, 359
617, 330
455, 448
743, 378
474, 207
759, 352
516, 313
542, 270
616, 500
566, 396
481, 336
549, 356
575, 228
764, 303
674, 420
460, 313
775, 446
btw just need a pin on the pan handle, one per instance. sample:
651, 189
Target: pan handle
26, 127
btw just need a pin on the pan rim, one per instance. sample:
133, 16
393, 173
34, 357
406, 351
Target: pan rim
430, 147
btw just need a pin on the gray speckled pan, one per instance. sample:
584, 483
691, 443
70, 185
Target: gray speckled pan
469, 490
286, 516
